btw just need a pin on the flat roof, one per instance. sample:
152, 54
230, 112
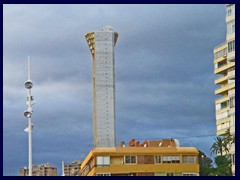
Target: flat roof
116, 151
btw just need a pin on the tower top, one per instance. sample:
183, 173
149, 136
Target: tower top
108, 28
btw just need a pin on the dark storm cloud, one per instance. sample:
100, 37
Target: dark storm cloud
163, 66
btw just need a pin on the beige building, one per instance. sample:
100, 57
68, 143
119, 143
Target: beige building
151, 158
224, 62
72, 169
39, 170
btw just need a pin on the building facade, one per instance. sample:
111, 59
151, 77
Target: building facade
152, 158
224, 63
72, 169
39, 170
101, 44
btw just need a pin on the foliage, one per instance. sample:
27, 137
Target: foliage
220, 146
229, 137
223, 166
205, 164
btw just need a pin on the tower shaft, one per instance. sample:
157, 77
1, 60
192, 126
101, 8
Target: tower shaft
101, 44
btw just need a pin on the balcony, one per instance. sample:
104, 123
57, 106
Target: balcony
222, 131
223, 120
221, 80
230, 36
231, 56
225, 88
224, 68
222, 99
226, 109
220, 47
230, 18
231, 75
221, 58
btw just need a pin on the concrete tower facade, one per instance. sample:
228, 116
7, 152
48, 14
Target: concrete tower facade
101, 44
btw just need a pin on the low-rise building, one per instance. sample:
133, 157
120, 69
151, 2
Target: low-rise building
151, 158
39, 170
72, 169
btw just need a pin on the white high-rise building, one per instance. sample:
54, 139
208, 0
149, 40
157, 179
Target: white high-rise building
224, 63
101, 44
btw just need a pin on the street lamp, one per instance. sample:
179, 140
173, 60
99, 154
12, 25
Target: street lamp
28, 114
28, 84
202, 159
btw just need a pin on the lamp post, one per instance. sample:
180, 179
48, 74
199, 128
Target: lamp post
202, 159
28, 114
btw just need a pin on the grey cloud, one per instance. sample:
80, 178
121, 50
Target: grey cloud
164, 76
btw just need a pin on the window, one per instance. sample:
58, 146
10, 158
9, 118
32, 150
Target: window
223, 105
221, 64
218, 107
145, 159
230, 27
101, 174
232, 102
130, 159
220, 53
189, 174
222, 116
170, 174
157, 159
230, 9
103, 160
223, 126
233, 159
160, 174
231, 46
189, 159
175, 159
177, 174
232, 120
171, 159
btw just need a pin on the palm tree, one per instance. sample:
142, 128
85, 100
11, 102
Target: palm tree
219, 146
229, 137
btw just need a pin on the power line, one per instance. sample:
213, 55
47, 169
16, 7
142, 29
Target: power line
195, 136
184, 137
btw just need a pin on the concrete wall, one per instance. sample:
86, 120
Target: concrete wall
104, 88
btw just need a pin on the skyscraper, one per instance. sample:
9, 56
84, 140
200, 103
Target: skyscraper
101, 44
224, 62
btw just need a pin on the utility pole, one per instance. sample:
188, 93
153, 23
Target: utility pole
28, 114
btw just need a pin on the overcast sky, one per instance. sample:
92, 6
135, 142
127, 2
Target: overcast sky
163, 67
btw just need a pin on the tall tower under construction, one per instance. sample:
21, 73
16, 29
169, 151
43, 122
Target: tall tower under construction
101, 44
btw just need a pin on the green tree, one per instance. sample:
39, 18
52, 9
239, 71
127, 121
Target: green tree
223, 164
219, 146
205, 164
229, 137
